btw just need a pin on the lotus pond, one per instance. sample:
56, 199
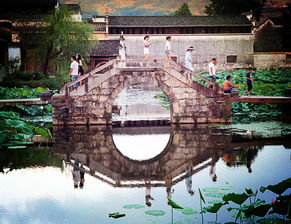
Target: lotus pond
104, 175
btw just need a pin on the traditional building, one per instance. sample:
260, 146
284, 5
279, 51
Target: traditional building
229, 39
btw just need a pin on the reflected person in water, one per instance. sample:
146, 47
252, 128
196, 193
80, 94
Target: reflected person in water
148, 196
76, 174
82, 177
169, 189
212, 171
188, 180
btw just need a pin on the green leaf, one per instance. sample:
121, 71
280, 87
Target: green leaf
14, 123
278, 188
210, 189
155, 212
201, 195
174, 204
249, 191
260, 210
227, 188
215, 202
236, 198
189, 211
133, 206
215, 195
215, 208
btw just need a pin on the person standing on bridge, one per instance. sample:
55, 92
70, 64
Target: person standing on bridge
249, 81
188, 61
74, 70
146, 50
168, 48
212, 71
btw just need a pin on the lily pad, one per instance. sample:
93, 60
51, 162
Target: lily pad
215, 202
189, 211
215, 195
155, 212
17, 147
210, 189
227, 188
133, 206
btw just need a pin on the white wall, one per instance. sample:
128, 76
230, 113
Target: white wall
205, 46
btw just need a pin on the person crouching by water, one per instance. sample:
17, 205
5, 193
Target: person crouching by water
227, 87
212, 71
188, 61
249, 81
148, 196
146, 50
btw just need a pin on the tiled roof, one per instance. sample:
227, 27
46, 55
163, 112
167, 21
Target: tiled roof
106, 48
176, 21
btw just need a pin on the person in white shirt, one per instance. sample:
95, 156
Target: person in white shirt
188, 61
168, 48
146, 50
212, 71
74, 70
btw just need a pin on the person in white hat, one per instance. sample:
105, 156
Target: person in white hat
188, 60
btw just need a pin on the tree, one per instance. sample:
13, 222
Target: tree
62, 38
183, 11
234, 7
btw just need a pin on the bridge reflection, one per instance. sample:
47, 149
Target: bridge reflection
189, 150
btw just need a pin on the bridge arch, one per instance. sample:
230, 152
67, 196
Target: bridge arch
91, 103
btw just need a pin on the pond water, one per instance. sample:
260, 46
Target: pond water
123, 166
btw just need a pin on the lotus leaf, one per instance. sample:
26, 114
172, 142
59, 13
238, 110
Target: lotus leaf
236, 198
201, 195
214, 208
210, 189
189, 211
278, 188
215, 195
227, 188
174, 204
133, 206
215, 202
155, 212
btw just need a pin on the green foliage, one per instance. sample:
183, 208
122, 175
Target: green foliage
63, 38
133, 206
20, 93
266, 83
278, 188
14, 131
201, 195
183, 11
173, 204
155, 212
236, 198
233, 7
215, 208
164, 101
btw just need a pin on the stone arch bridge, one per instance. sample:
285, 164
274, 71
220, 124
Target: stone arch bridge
91, 103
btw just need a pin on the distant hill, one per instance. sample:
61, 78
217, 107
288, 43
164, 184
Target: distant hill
139, 7
148, 7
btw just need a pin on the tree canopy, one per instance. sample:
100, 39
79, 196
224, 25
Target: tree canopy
183, 11
234, 7
63, 38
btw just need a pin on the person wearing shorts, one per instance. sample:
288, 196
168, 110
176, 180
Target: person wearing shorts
168, 48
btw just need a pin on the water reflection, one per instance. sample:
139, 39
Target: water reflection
188, 151
193, 156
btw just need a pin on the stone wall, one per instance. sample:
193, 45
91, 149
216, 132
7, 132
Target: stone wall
205, 46
271, 60
190, 102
